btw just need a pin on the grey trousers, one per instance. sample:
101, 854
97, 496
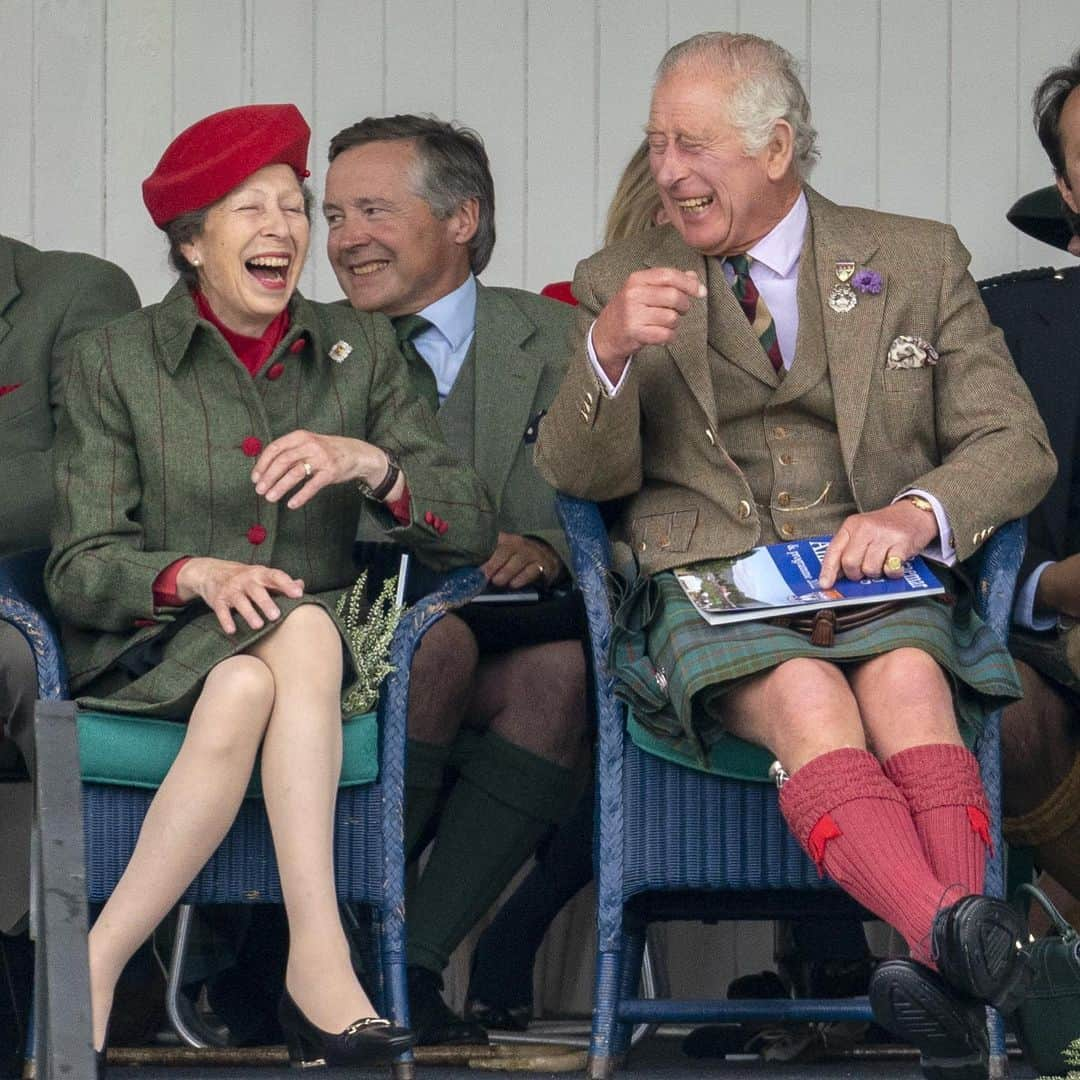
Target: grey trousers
18, 691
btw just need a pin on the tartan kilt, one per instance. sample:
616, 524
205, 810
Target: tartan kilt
673, 669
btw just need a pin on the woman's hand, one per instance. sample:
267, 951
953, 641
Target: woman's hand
313, 462
231, 586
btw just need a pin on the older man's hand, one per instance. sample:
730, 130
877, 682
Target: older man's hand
864, 542
645, 311
522, 560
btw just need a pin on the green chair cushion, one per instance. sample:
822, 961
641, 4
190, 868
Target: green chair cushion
729, 756
137, 751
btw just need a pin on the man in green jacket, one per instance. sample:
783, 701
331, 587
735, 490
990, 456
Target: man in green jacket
497, 710
46, 299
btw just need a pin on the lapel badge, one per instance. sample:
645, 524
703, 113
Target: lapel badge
534, 427
842, 298
340, 351
844, 269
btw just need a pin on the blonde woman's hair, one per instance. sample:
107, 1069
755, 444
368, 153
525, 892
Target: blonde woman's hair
636, 202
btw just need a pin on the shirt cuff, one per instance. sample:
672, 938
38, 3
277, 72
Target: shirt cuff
165, 594
598, 371
941, 549
1024, 613
400, 508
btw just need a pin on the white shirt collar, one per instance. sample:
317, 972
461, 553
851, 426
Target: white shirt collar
454, 315
780, 248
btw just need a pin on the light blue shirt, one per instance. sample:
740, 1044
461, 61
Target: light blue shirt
445, 343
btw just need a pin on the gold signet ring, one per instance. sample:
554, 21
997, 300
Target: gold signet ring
893, 562
307, 468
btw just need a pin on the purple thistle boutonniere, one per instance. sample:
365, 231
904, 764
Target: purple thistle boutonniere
867, 281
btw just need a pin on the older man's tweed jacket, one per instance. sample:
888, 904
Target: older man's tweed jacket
153, 461
46, 299
966, 430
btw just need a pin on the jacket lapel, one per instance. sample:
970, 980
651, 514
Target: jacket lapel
9, 285
690, 349
505, 385
852, 338
730, 333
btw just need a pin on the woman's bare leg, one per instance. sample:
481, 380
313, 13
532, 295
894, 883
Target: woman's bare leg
188, 818
301, 766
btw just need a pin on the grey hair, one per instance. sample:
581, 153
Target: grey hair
453, 169
767, 88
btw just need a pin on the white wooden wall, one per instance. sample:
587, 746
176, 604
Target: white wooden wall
922, 105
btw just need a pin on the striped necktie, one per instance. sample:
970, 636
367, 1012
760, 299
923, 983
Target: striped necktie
407, 327
755, 309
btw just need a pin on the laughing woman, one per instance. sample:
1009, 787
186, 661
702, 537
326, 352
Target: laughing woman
217, 451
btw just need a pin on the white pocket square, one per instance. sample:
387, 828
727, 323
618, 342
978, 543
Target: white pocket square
909, 351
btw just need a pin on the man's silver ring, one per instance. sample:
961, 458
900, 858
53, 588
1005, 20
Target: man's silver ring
540, 567
307, 468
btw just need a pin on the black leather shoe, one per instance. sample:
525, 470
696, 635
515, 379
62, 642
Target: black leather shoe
370, 1041
434, 1022
982, 948
917, 1006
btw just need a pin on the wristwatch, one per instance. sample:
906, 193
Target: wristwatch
921, 503
386, 484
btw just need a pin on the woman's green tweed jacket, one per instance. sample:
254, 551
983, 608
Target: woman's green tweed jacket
153, 459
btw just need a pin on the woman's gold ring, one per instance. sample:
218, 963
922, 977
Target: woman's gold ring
893, 562
307, 468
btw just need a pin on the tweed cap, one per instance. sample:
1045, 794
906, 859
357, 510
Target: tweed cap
214, 155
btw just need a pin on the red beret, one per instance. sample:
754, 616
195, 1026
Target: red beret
219, 152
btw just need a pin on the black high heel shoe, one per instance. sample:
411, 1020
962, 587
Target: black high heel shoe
370, 1041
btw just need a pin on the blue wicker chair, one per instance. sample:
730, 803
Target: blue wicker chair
85, 833
675, 843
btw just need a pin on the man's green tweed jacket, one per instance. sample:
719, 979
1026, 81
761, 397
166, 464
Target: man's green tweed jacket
46, 299
153, 462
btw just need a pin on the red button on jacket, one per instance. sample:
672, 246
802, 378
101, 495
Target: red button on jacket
275, 371
256, 534
298, 345
251, 446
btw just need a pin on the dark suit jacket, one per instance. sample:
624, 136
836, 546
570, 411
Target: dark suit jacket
46, 299
1039, 312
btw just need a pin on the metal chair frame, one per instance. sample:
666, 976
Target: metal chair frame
721, 881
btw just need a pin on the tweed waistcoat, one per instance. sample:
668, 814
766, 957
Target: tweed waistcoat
456, 413
782, 434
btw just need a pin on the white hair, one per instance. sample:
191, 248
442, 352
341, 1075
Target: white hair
767, 88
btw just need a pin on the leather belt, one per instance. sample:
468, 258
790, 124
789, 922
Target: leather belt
823, 625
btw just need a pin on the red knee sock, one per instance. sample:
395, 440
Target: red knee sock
857, 827
942, 786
